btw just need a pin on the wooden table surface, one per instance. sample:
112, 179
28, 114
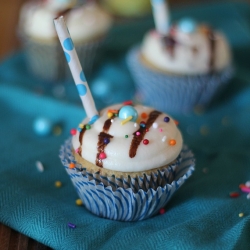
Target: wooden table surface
9, 12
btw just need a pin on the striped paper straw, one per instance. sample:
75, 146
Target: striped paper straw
161, 16
76, 69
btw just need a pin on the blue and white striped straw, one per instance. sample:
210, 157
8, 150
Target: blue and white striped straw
161, 16
76, 69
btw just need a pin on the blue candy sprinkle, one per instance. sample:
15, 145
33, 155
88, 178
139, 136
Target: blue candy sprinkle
67, 56
42, 126
82, 90
82, 76
127, 111
68, 44
187, 25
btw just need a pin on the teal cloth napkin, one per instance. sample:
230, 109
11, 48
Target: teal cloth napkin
201, 215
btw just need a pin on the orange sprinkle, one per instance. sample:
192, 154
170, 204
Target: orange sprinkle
144, 115
114, 111
176, 122
71, 165
172, 142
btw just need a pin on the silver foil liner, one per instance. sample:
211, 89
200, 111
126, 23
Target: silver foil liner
47, 60
127, 199
173, 93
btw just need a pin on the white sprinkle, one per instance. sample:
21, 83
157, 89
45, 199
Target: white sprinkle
135, 124
247, 183
39, 166
112, 120
155, 125
164, 138
248, 196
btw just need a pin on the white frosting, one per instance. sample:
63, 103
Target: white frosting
191, 53
158, 152
84, 23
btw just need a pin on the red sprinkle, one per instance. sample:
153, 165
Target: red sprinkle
102, 156
234, 194
244, 188
127, 103
71, 165
162, 211
145, 141
73, 131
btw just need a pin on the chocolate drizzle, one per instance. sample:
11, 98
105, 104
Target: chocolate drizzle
211, 38
80, 140
138, 138
170, 44
101, 145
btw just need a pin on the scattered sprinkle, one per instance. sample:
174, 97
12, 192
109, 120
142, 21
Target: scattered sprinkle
155, 125
147, 129
166, 119
71, 225
145, 141
160, 129
164, 138
126, 136
135, 124
172, 142
114, 111
127, 103
112, 120
241, 214
57, 130
39, 166
81, 125
144, 115
234, 194
137, 133
79, 129
110, 114
247, 184
79, 202
106, 141
142, 124
73, 131
88, 126
248, 196
102, 156
126, 120
162, 211
244, 188
72, 165
176, 122
58, 184
77, 150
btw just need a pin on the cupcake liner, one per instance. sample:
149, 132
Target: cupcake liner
47, 60
174, 93
115, 199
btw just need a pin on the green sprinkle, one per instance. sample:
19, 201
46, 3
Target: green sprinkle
87, 126
126, 136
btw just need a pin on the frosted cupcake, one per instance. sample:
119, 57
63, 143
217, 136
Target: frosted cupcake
125, 161
180, 66
88, 24
127, 170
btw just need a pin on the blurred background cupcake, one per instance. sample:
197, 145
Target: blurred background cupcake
179, 66
131, 20
88, 24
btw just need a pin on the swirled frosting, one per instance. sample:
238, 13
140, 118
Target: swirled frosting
197, 51
85, 23
151, 142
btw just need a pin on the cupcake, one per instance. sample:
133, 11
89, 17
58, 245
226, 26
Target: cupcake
130, 21
88, 24
128, 163
180, 66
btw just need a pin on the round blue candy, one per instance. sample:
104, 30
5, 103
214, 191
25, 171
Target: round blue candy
187, 25
127, 111
42, 126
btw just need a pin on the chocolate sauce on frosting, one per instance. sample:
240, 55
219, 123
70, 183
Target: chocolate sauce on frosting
138, 138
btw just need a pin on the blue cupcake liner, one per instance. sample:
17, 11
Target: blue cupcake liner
172, 93
109, 198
